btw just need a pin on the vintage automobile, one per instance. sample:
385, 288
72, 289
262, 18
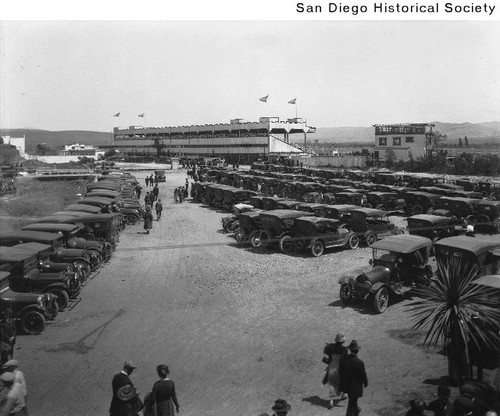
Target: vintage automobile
269, 202
160, 175
79, 258
249, 228
341, 212
287, 204
387, 201
106, 204
398, 262
90, 209
434, 227
469, 250
22, 263
488, 217
372, 224
29, 310
104, 193
457, 208
316, 234
310, 207
72, 240
198, 189
349, 198
234, 196
419, 202
256, 201
277, 224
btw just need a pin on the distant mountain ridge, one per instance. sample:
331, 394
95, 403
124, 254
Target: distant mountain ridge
482, 131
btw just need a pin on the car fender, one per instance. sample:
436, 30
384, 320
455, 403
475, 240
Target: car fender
377, 286
62, 286
36, 308
347, 279
312, 241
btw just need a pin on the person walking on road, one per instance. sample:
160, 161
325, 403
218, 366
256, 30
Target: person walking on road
138, 191
12, 366
148, 219
158, 209
333, 354
120, 380
352, 378
176, 195
146, 180
156, 191
15, 399
163, 397
148, 199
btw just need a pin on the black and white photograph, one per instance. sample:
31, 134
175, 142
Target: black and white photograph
215, 215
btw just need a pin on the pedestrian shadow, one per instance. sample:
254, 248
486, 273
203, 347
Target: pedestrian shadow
443, 380
317, 401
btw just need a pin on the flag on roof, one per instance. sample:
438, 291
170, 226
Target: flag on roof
264, 99
292, 101
141, 115
117, 115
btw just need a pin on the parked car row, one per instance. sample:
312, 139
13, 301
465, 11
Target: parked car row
44, 265
401, 262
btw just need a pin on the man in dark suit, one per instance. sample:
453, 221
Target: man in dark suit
119, 380
352, 378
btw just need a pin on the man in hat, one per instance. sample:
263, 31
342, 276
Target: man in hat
11, 366
442, 405
14, 403
352, 378
119, 380
7, 334
281, 407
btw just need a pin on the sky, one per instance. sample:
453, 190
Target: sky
75, 75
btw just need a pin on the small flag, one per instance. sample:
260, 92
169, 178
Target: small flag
117, 115
264, 99
141, 115
292, 101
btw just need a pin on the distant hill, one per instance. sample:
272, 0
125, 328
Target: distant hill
480, 131
487, 131
56, 139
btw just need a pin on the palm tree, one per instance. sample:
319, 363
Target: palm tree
458, 315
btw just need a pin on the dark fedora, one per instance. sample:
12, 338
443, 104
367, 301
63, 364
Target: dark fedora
281, 405
353, 346
126, 393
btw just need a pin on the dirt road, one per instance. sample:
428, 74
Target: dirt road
238, 327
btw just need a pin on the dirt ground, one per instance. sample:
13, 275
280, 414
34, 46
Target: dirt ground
238, 327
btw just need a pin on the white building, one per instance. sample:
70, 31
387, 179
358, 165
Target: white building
78, 149
413, 139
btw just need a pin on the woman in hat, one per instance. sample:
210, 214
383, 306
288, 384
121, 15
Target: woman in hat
148, 219
338, 351
163, 393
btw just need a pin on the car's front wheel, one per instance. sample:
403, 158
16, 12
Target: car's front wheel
353, 242
286, 244
255, 240
346, 294
317, 248
240, 236
32, 323
381, 300
371, 239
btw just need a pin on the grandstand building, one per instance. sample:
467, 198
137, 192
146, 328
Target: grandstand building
234, 141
